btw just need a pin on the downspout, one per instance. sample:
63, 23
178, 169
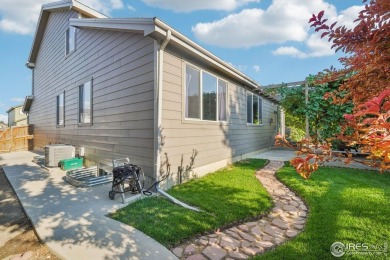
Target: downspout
160, 57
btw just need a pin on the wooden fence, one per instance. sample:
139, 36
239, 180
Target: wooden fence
16, 138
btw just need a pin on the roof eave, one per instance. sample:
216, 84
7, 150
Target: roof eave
44, 16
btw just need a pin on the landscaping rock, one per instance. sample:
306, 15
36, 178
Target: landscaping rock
238, 255
196, 257
178, 251
214, 252
190, 249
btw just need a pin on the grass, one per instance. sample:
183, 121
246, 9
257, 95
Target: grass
346, 205
227, 196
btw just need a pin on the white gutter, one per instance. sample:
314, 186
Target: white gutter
160, 61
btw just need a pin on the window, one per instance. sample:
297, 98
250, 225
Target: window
209, 97
192, 93
85, 103
206, 96
222, 100
61, 109
254, 109
70, 39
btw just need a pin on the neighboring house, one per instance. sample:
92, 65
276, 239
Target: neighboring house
16, 116
137, 88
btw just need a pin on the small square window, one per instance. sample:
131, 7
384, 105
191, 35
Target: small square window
70, 39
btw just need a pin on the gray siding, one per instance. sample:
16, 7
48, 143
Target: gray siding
215, 141
122, 68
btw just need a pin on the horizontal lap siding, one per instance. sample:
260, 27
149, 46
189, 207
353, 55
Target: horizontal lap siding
215, 141
122, 67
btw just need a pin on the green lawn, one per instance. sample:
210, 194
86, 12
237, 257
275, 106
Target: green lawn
346, 205
226, 197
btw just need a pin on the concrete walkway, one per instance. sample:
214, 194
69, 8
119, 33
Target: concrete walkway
71, 221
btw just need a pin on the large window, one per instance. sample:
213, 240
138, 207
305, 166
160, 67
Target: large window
61, 109
206, 96
254, 109
85, 103
70, 39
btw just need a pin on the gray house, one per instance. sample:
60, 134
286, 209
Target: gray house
137, 88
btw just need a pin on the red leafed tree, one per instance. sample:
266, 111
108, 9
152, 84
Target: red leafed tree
366, 82
367, 47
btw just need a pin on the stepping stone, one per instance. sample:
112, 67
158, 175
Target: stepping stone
265, 244
213, 241
302, 214
190, 250
246, 236
196, 257
245, 243
251, 224
267, 238
280, 224
202, 242
250, 251
214, 252
303, 207
273, 231
291, 233
289, 208
279, 240
229, 243
243, 228
299, 227
232, 234
238, 255
178, 251
213, 235
294, 203
257, 232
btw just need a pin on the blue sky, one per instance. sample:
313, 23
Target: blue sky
269, 40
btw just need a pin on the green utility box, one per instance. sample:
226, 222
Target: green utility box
70, 164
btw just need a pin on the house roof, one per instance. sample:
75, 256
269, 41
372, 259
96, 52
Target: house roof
44, 16
152, 27
14, 107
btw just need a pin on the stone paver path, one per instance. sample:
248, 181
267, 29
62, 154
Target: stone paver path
285, 221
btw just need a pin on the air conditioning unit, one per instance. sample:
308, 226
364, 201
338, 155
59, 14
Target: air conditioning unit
57, 152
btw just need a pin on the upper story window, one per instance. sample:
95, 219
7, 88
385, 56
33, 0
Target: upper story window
85, 103
70, 36
206, 96
254, 109
61, 109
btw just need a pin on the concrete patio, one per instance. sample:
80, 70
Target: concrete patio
72, 221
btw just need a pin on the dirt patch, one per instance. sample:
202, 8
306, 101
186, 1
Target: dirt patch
15, 228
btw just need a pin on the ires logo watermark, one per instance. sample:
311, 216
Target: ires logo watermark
338, 249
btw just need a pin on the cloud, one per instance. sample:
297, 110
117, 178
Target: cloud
256, 68
130, 8
195, 5
17, 99
21, 16
284, 21
4, 118
317, 47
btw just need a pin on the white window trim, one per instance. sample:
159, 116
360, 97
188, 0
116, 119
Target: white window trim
57, 110
262, 109
66, 41
91, 102
188, 119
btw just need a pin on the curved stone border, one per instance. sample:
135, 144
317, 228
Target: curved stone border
285, 221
